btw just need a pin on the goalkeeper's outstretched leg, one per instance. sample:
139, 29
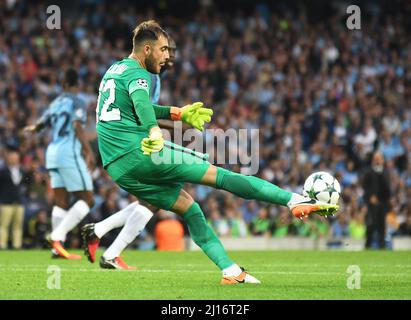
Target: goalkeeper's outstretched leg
250, 187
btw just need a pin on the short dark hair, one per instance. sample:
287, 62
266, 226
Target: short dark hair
71, 77
147, 31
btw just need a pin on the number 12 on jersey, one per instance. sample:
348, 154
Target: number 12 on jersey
105, 114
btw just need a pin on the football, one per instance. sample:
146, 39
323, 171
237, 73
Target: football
322, 186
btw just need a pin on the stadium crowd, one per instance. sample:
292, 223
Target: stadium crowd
324, 98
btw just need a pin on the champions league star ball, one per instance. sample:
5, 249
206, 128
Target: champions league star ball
322, 186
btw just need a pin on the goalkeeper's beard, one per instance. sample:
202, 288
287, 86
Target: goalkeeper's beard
151, 64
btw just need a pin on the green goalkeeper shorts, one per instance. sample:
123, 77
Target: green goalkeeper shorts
159, 178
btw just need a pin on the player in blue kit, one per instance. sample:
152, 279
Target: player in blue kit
156, 78
68, 158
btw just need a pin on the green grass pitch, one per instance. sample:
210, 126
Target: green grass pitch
190, 275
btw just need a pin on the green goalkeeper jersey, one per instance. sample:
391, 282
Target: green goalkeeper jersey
124, 113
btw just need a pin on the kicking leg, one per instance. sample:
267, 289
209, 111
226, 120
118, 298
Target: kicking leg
204, 236
250, 187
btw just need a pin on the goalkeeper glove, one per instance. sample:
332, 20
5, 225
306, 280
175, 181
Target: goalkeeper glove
192, 114
154, 143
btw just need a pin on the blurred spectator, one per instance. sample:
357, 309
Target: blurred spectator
349, 176
219, 223
12, 189
392, 228
169, 232
340, 227
376, 196
405, 227
319, 227
236, 223
262, 225
357, 226
249, 211
365, 140
38, 227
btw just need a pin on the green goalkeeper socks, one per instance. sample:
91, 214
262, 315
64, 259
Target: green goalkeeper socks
249, 187
204, 236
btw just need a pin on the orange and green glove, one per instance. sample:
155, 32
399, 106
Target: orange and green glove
192, 114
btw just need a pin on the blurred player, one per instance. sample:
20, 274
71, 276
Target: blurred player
156, 78
131, 143
134, 217
67, 158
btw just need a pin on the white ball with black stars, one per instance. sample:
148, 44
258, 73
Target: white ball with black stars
322, 186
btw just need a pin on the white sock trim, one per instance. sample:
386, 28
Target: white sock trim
232, 271
295, 197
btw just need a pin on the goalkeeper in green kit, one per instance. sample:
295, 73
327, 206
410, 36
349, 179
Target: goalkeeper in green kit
131, 144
